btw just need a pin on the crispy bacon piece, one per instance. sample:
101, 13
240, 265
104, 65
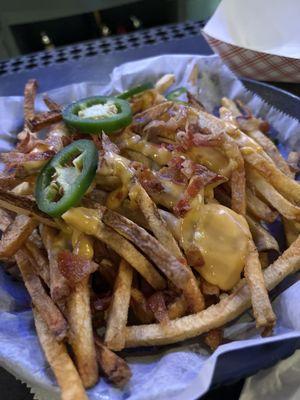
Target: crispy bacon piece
148, 180
157, 305
74, 267
153, 113
42, 120
199, 176
214, 338
29, 98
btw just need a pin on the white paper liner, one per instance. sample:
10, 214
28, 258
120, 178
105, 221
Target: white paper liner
182, 371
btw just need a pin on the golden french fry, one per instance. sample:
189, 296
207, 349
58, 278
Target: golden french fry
217, 315
263, 240
61, 363
44, 304
178, 273
272, 196
89, 222
39, 260
114, 368
139, 307
54, 243
80, 317
16, 234
25, 206
118, 310
5, 220
262, 309
154, 220
259, 208
29, 98
291, 229
165, 82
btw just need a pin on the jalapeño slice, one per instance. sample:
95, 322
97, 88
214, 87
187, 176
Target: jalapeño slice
64, 180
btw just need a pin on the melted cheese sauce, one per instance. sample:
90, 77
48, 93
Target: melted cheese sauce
222, 237
83, 219
82, 245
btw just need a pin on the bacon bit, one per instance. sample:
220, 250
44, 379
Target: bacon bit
149, 181
194, 256
102, 303
73, 267
213, 339
157, 305
42, 120
264, 127
201, 176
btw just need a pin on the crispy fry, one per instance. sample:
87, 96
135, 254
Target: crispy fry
178, 308
59, 287
29, 98
79, 317
178, 273
264, 259
119, 244
51, 104
165, 82
138, 303
60, 362
25, 206
118, 310
42, 120
154, 220
272, 196
291, 229
5, 219
38, 260
263, 240
262, 309
114, 368
47, 309
16, 234
259, 208
216, 315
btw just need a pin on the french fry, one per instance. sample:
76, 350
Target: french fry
272, 196
154, 220
42, 120
25, 206
291, 229
264, 259
39, 260
263, 240
258, 208
165, 82
16, 234
29, 98
59, 287
51, 104
80, 319
178, 308
139, 307
47, 309
118, 310
61, 363
178, 273
262, 309
5, 220
216, 315
114, 368
119, 244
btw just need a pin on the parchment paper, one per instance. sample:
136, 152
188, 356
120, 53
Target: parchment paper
182, 371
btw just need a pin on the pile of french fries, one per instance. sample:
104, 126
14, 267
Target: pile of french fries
125, 268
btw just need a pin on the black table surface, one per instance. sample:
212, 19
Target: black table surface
97, 68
